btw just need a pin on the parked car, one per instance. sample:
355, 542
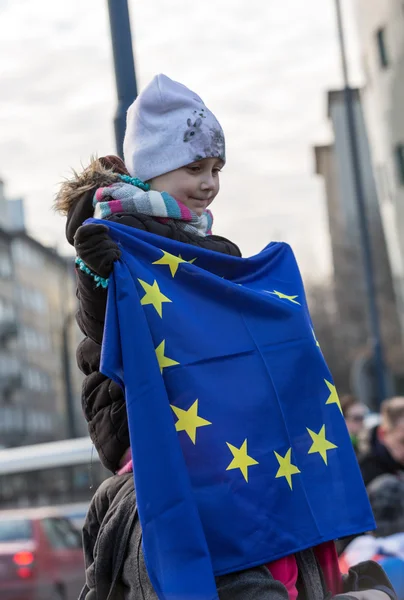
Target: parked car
75, 512
41, 556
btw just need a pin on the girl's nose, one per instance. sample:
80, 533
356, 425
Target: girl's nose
207, 183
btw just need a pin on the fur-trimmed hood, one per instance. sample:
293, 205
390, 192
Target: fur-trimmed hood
75, 197
100, 172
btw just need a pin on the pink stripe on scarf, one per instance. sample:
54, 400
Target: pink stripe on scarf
115, 206
186, 214
99, 194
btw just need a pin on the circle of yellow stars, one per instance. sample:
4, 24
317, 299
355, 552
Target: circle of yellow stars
190, 421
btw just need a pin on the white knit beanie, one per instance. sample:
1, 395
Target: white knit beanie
167, 127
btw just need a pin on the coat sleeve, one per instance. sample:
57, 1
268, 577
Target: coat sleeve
367, 595
105, 411
90, 532
104, 407
367, 581
92, 301
252, 584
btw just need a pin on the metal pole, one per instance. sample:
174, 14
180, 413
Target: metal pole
362, 214
124, 65
71, 419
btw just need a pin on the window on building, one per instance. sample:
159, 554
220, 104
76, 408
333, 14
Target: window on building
382, 48
7, 311
36, 380
5, 264
39, 421
9, 365
32, 299
27, 255
11, 419
31, 339
399, 152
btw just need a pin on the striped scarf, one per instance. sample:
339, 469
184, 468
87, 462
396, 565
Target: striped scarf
127, 198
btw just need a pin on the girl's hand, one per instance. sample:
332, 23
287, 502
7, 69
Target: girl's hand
96, 249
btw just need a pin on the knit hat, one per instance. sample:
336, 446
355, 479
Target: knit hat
167, 127
386, 496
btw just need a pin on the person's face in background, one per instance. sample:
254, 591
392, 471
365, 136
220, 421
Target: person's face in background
393, 439
355, 419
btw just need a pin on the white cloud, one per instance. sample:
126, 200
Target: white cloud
263, 67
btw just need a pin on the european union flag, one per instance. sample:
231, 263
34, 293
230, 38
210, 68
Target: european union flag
241, 455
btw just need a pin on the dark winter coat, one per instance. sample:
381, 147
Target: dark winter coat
102, 399
377, 460
115, 566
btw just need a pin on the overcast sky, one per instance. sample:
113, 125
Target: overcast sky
263, 67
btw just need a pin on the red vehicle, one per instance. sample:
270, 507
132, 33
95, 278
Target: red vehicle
41, 556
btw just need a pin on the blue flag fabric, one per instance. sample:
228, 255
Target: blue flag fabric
240, 450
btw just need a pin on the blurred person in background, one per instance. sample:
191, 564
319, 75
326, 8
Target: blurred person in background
170, 153
386, 543
382, 451
354, 413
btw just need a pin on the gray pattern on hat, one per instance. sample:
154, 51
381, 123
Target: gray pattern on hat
206, 142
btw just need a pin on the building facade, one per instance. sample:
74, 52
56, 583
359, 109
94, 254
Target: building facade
38, 338
381, 34
334, 164
10, 372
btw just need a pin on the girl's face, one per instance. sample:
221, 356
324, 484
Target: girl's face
195, 185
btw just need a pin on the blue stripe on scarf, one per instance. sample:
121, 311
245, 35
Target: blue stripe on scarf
173, 210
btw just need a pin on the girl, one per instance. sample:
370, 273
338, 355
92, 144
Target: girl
174, 150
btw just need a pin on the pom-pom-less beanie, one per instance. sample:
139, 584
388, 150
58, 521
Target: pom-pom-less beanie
167, 127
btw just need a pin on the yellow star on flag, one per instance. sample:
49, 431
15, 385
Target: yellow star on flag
153, 296
286, 469
164, 361
285, 297
315, 339
241, 459
333, 397
189, 420
320, 444
172, 261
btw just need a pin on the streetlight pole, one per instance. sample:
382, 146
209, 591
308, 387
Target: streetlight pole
124, 65
373, 314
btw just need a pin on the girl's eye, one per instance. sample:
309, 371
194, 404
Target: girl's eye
195, 169
216, 171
